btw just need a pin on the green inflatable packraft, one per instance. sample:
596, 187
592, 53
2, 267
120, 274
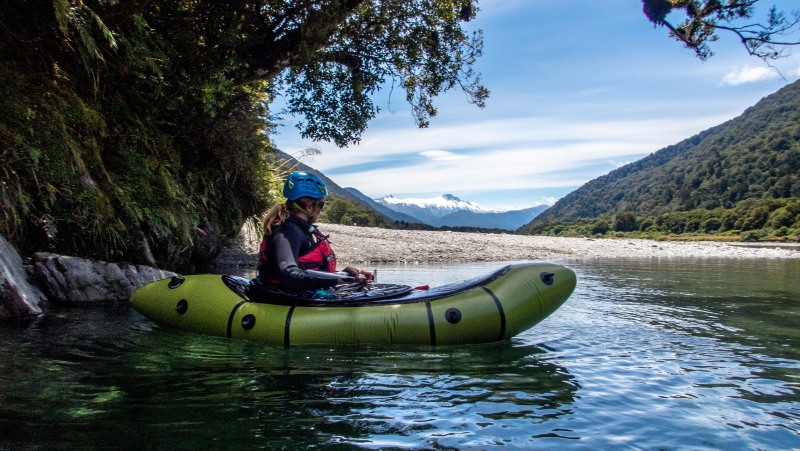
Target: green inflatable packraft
490, 308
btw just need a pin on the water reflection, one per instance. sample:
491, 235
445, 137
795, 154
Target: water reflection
456, 395
371, 396
112, 377
700, 337
753, 303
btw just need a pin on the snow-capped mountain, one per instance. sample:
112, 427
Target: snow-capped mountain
382, 209
444, 210
449, 210
431, 209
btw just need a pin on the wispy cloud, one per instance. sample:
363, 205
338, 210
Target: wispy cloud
511, 154
441, 155
749, 74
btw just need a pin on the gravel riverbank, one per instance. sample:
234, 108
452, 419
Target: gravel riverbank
361, 245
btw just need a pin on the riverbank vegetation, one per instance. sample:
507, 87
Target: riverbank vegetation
120, 142
342, 211
750, 220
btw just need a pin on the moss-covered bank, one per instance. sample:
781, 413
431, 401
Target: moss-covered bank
114, 147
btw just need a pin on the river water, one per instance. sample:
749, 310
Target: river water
658, 353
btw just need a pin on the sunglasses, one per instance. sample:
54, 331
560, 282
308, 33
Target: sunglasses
316, 203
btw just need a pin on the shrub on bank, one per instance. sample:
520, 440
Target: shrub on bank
750, 220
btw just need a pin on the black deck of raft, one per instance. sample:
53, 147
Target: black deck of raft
401, 295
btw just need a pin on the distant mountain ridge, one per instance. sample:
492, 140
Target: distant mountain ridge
449, 210
506, 220
756, 155
382, 209
444, 210
429, 210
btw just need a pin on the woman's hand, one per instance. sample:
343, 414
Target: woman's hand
360, 275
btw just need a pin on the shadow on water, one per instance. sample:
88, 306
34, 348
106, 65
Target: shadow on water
107, 377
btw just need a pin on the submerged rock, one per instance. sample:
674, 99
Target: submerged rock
75, 281
18, 298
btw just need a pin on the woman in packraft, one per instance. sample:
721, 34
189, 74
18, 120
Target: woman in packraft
293, 251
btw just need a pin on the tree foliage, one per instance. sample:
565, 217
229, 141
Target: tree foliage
704, 19
110, 148
141, 127
329, 56
749, 220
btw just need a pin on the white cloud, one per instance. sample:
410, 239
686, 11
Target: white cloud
749, 74
441, 155
618, 164
510, 154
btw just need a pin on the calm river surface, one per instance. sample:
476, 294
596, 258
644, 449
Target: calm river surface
662, 353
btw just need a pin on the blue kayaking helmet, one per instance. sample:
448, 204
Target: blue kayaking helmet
304, 184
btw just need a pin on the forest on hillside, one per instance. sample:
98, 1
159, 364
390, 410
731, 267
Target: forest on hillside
749, 220
748, 167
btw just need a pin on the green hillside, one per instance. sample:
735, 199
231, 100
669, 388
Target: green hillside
709, 183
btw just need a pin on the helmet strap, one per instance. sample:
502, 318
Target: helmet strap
302, 209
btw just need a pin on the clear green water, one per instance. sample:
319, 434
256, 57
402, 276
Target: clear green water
646, 354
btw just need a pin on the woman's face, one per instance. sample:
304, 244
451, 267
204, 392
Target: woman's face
317, 207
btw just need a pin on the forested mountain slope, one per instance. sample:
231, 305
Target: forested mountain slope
754, 156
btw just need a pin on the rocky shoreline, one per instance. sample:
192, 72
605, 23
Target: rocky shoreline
363, 245
30, 288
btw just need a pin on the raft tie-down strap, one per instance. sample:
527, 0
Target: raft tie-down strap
230, 318
286, 326
430, 323
500, 311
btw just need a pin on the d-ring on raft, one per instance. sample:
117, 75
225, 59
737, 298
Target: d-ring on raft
490, 308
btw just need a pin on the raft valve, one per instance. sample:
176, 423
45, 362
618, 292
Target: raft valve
453, 315
248, 322
175, 282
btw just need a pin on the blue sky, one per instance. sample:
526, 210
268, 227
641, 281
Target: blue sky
578, 88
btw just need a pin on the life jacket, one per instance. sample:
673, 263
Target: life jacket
320, 257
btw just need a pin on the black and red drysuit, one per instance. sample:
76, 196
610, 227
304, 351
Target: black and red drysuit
293, 247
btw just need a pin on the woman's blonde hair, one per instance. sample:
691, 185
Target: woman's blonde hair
275, 216
278, 213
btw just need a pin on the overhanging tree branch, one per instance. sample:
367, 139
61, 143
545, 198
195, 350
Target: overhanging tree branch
315, 26
705, 18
